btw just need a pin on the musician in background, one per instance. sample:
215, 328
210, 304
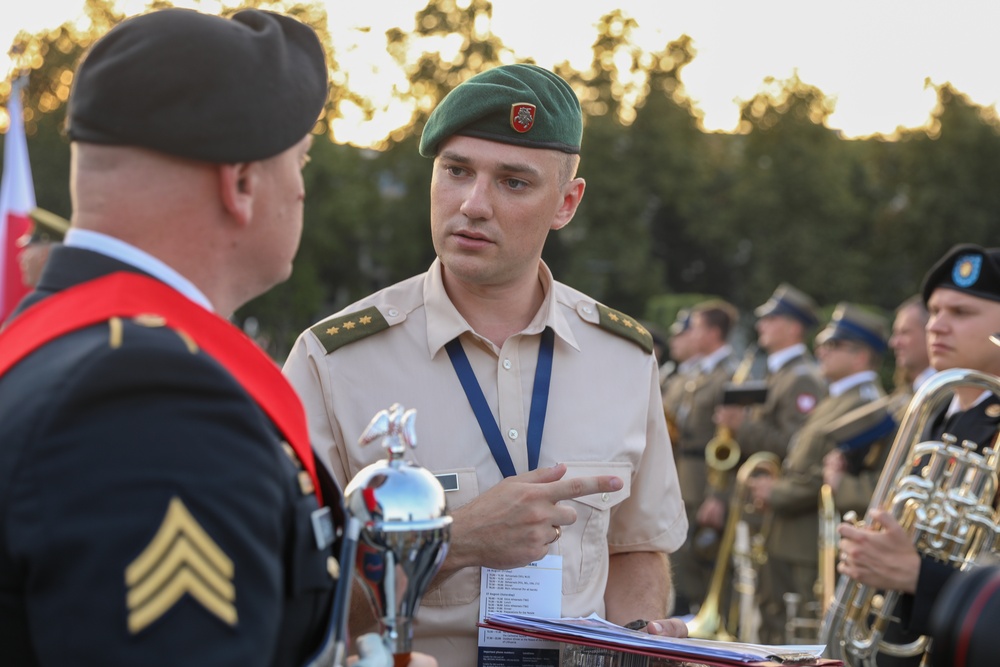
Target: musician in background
962, 293
794, 384
868, 432
708, 334
47, 229
850, 350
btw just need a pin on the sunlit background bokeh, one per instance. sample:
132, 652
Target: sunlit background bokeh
874, 57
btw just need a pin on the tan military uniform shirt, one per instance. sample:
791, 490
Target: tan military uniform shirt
604, 416
793, 391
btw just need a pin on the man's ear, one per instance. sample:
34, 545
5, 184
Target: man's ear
237, 185
571, 197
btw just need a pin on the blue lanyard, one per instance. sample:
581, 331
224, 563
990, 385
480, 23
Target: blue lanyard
488, 425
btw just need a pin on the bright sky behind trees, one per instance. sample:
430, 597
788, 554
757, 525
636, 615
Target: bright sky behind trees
872, 56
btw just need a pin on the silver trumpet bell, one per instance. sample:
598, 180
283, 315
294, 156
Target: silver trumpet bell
404, 529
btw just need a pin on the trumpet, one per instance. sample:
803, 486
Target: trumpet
946, 507
722, 452
708, 622
803, 619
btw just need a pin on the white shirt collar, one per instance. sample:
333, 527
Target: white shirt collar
710, 361
954, 406
844, 384
129, 254
778, 359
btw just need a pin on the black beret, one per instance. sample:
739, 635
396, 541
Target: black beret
967, 268
524, 105
201, 87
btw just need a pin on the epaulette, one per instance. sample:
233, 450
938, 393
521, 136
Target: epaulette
621, 324
336, 332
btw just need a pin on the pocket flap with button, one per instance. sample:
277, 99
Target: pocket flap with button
607, 500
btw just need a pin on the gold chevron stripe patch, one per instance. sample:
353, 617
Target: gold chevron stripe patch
180, 559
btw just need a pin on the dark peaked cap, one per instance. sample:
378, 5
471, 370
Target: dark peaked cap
201, 87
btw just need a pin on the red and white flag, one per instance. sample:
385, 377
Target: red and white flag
17, 199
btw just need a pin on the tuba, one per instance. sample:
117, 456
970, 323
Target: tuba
708, 622
946, 507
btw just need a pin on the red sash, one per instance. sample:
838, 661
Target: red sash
128, 295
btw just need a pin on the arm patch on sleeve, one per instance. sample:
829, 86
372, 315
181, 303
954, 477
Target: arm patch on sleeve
627, 327
336, 332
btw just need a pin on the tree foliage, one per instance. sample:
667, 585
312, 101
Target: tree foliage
670, 211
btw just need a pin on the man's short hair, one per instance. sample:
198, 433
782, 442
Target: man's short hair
718, 314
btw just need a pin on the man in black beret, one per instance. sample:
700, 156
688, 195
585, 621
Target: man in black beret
161, 504
489, 348
962, 293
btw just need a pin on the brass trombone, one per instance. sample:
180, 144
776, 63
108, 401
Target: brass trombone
708, 623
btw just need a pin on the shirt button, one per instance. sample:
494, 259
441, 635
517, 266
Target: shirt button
512, 434
507, 364
605, 496
393, 312
588, 310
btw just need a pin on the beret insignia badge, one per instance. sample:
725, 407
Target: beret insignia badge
522, 116
966, 271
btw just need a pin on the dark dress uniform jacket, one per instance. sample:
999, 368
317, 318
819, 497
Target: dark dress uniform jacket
143, 456
792, 392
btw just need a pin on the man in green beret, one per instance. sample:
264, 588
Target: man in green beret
540, 408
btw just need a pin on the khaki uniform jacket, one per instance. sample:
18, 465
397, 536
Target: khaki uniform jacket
702, 393
792, 393
604, 416
855, 491
795, 496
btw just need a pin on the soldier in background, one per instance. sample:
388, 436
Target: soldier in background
849, 350
794, 384
870, 430
701, 390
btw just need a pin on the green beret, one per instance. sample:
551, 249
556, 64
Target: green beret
201, 87
966, 268
521, 104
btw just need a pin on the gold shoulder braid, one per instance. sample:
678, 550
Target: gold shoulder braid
627, 327
337, 332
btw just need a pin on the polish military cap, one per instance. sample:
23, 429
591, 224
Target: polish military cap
519, 104
967, 268
201, 87
682, 323
790, 302
853, 323
46, 227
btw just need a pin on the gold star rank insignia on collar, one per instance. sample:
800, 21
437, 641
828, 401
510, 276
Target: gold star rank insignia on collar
181, 559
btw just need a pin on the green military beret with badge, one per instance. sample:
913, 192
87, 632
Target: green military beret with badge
966, 268
521, 104
201, 87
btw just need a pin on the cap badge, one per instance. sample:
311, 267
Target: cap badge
522, 116
966, 271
